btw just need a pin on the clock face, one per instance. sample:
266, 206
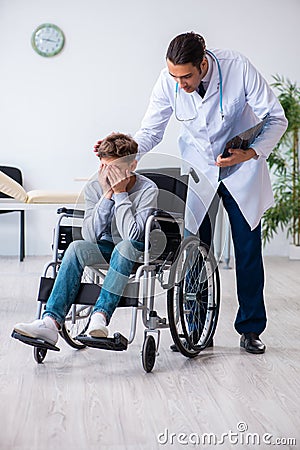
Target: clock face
47, 40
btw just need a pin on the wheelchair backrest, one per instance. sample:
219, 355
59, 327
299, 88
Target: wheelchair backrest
171, 198
172, 187
66, 235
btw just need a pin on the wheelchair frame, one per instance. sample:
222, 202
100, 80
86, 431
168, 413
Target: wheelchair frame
183, 308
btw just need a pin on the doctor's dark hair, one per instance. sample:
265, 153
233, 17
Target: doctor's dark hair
118, 145
186, 48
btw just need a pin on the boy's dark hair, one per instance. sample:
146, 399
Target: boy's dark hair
186, 48
118, 145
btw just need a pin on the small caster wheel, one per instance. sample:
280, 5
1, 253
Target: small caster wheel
39, 354
148, 353
117, 338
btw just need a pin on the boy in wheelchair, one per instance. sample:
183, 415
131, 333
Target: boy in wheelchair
118, 203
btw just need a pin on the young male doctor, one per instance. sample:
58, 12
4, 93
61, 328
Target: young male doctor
216, 95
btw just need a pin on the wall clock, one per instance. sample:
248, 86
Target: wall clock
47, 39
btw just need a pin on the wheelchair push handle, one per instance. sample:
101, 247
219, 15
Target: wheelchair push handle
172, 216
71, 212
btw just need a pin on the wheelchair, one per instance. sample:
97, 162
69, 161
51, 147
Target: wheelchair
184, 269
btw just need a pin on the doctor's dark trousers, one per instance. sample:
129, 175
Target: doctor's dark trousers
251, 315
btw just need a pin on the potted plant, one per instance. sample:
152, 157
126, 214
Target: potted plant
284, 164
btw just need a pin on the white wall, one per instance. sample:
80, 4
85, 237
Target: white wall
53, 110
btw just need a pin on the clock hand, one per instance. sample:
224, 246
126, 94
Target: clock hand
48, 40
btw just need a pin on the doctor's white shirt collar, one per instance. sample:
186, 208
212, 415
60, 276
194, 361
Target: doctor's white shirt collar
206, 79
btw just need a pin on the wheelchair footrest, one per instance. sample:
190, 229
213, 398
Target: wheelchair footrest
117, 343
35, 342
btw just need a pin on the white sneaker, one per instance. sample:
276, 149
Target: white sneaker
41, 329
97, 326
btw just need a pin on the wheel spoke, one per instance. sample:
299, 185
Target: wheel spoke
193, 303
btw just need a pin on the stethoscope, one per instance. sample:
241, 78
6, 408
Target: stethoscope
220, 92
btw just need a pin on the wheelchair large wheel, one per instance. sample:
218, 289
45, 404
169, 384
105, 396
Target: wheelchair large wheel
194, 297
69, 330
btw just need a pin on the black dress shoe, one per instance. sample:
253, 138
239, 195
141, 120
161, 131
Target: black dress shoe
174, 348
251, 343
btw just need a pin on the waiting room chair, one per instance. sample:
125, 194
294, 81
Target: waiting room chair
16, 175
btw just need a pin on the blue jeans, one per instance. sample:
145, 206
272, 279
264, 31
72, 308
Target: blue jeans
79, 254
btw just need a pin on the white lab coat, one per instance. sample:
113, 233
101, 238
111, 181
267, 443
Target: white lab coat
247, 98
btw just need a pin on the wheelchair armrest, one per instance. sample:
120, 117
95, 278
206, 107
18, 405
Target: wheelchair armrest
167, 214
78, 213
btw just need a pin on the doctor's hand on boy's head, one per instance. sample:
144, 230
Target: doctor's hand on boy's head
97, 145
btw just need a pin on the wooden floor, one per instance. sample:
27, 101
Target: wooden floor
93, 399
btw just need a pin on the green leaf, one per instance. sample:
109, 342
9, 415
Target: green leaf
284, 164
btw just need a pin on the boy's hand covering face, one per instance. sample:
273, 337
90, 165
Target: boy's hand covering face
118, 178
113, 177
103, 180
